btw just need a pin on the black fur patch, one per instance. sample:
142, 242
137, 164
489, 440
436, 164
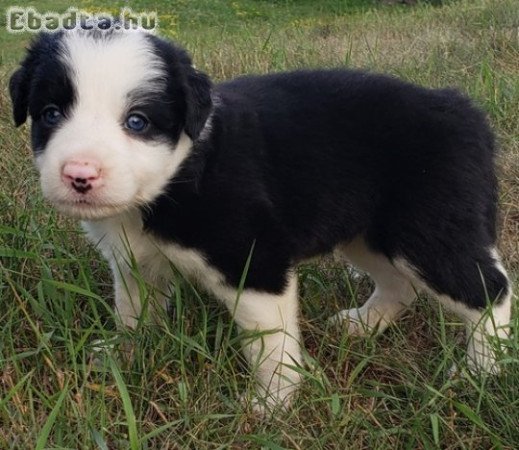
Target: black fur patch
188, 91
299, 162
42, 80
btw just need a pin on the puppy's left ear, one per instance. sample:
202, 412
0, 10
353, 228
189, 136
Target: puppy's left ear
198, 102
19, 91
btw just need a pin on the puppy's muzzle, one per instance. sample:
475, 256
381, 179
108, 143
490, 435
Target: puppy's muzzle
82, 175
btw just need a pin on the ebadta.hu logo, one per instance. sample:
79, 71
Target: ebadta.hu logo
20, 19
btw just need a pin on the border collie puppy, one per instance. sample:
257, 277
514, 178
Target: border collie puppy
164, 167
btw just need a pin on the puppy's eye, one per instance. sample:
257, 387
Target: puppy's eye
136, 123
51, 116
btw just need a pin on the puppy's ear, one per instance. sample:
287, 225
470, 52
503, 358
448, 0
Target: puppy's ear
198, 102
196, 86
19, 91
20, 82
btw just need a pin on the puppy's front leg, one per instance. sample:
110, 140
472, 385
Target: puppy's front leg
127, 298
273, 345
131, 295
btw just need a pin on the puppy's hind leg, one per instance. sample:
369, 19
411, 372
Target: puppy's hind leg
392, 295
487, 327
477, 289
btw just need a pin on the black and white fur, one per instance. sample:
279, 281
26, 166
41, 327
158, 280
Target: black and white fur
396, 178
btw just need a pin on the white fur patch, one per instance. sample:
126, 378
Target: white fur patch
392, 295
121, 239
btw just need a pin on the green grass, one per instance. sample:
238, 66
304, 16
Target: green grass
180, 387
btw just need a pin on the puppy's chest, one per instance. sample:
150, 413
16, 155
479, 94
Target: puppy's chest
122, 241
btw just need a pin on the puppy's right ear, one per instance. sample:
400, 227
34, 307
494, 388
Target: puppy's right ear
20, 83
19, 91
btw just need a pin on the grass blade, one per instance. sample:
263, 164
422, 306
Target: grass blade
127, 405
45, 431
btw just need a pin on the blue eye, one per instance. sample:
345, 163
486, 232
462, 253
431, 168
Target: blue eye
136, 123
51, 116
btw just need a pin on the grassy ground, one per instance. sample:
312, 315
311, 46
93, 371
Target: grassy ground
180, 389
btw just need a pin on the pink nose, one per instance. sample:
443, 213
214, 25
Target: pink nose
81, 174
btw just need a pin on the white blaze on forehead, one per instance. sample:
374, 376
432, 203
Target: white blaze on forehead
105, 69
106, 72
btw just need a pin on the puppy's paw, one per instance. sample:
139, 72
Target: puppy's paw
353, 321
482, 366
265, 402
264, 407
475, 369
258, 407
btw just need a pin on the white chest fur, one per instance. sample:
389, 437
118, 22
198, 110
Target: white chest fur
122, 240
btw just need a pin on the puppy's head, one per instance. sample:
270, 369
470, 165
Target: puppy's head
114, 114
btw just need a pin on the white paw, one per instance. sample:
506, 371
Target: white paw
483, 364
353, 320
267, 401
488, 366
265, 406
258, 406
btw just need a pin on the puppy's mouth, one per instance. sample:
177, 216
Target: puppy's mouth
88, 209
